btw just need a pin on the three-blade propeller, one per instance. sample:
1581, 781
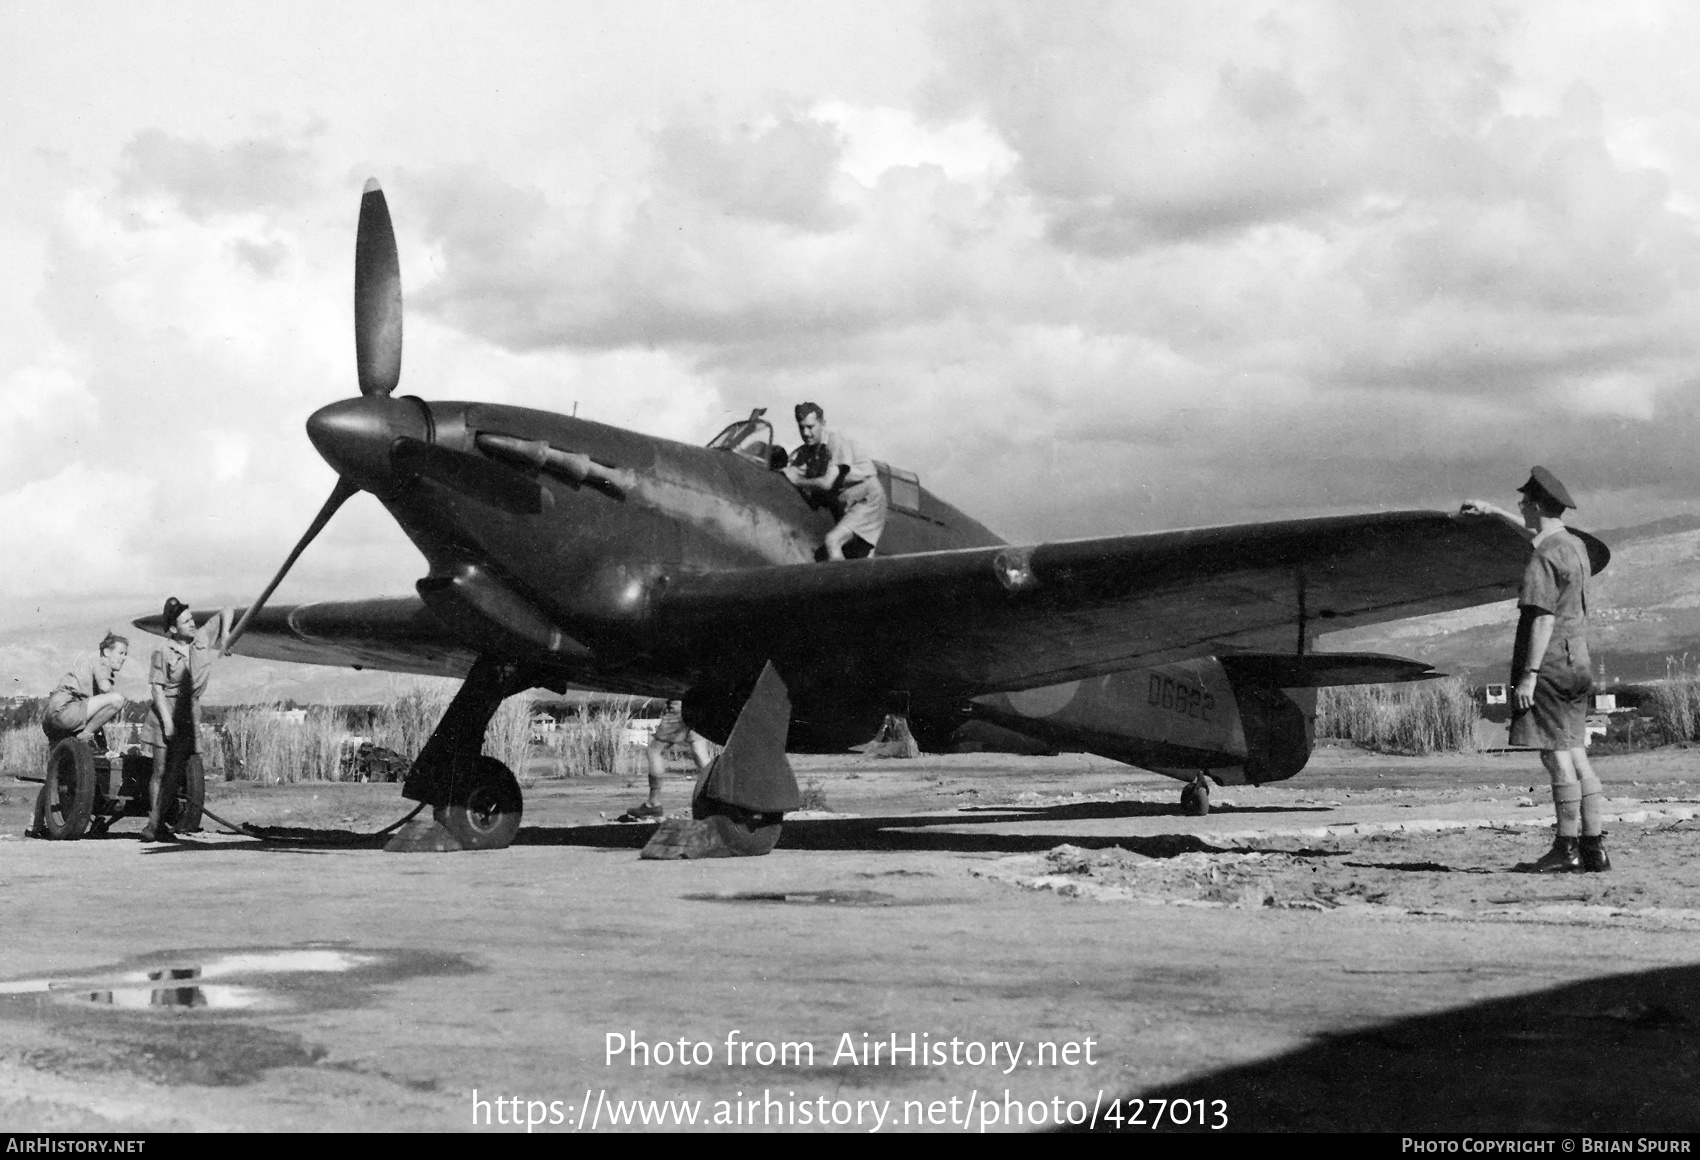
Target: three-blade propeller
377, 352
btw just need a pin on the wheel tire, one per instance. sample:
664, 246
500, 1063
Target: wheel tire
1195, 799
185, 808
69, 792
484, 809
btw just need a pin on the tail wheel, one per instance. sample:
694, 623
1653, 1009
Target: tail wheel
484, 809
1195, 798
68, 795
184, 812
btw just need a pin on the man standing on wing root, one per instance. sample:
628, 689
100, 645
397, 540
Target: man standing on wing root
828, 466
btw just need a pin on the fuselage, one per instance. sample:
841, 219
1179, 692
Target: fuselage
578, 571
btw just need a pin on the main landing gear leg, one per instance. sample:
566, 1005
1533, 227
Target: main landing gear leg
741, 798
1195, 797
475, 800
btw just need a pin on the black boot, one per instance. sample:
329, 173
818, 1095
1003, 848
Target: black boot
1594, 859
1565, 857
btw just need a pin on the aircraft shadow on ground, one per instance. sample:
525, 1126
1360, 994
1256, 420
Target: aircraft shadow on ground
923, 832
1618, 1054
897, 832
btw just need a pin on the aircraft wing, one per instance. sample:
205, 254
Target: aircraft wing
1012, 617
1002, 618
392, 634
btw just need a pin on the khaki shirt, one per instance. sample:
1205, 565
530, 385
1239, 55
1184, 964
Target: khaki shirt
846, 454
1555, 583
181, 670
82, 682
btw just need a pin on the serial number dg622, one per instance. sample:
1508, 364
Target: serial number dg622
1183, 697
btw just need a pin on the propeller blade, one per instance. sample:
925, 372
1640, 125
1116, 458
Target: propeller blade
339, 496
473, 475
377, 296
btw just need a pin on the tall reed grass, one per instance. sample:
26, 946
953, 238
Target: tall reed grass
593, 740
1437, 716
265, 745
1674, 703
23, 749
406, 720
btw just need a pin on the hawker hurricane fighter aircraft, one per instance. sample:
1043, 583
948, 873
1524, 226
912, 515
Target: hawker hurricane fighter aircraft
568, 553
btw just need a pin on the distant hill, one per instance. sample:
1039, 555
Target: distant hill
31, 663
1669, 526
1645, 609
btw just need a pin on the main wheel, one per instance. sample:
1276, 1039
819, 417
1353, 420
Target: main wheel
1195, 798
183, 812
68, 795
484, 809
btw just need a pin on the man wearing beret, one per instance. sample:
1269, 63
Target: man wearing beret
1551, 671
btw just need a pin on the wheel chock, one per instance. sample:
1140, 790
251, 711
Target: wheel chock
716, 836
423, 836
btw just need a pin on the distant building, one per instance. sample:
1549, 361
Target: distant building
639, 730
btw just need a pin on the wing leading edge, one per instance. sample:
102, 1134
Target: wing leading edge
391, 634
1012, 617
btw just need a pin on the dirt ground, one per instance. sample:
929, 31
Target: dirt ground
1046, 942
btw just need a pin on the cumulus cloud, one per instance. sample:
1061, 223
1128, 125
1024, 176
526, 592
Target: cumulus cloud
205, 178
779, 172
1107, 268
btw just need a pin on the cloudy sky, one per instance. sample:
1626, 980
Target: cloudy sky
1088, 268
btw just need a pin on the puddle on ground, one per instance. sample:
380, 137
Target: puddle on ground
197, 1016
216, 998
807, 897
186, 987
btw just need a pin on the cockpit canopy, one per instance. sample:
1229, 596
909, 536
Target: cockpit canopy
751, 438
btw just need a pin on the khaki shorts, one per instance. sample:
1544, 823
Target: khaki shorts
65, 719
673, 730
1559, 717
863, 507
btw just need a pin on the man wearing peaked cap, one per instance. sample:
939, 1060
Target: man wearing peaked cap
1552, 672
1544, 482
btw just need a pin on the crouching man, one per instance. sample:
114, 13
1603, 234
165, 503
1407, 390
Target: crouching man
84, 700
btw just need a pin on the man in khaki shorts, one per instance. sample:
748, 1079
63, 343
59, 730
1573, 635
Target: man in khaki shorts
84, 700
178, 679
849, 481
671, 731
1552, 672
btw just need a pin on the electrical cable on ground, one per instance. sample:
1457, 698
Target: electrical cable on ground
247, 829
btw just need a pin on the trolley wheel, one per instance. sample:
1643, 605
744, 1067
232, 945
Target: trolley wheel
484, 809
68, 795
1195, 798
184, 813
